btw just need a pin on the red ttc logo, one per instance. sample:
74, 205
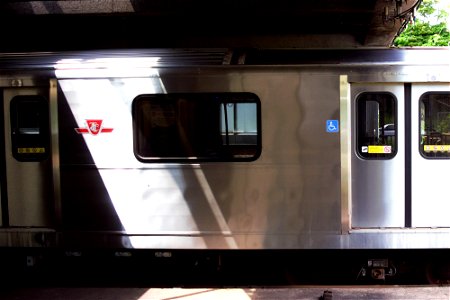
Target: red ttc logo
94, 127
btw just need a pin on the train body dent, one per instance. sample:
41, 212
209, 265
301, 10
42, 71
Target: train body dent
162, 149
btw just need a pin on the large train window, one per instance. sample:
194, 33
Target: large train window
435, 124
376, 120
196, 127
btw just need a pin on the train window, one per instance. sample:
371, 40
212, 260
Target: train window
30, 135
196, 127
434, 108
376, 120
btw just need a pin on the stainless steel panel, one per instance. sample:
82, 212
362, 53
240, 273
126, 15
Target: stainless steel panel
292, 190
378, 186
294, 196
29, 183
430, 200
345, 129
54, 140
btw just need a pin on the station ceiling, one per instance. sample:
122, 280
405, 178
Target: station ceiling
100, 24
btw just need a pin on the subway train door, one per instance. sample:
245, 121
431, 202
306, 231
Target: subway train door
377, 155
28, 168
430, 155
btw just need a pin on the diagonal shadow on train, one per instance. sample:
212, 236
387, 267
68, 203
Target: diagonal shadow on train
209, 202
86, 204
88, 207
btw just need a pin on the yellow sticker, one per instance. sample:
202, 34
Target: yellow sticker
35, 150
436, 148
379, 149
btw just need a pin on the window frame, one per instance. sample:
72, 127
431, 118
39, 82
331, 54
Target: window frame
29, 145
218, 98
358, 144
421, 149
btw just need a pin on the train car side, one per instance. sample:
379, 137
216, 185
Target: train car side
196, 165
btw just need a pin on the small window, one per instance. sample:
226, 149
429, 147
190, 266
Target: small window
434, 110
196, 127
30, 134
376, 120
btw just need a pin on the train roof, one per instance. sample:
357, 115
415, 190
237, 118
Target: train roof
221, 56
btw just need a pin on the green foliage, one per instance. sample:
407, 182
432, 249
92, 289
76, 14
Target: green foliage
422, 32
426, 8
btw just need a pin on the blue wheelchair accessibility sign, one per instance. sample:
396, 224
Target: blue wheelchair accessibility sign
332, 125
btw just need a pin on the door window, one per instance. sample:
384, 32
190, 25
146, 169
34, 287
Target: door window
376, 120
434, 110
30, 135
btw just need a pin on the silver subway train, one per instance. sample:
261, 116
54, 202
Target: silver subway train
279, 153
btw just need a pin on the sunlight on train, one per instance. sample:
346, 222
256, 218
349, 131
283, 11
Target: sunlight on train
107, 67
198, 294
153, 201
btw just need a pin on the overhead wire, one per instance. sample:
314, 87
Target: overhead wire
406, 17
